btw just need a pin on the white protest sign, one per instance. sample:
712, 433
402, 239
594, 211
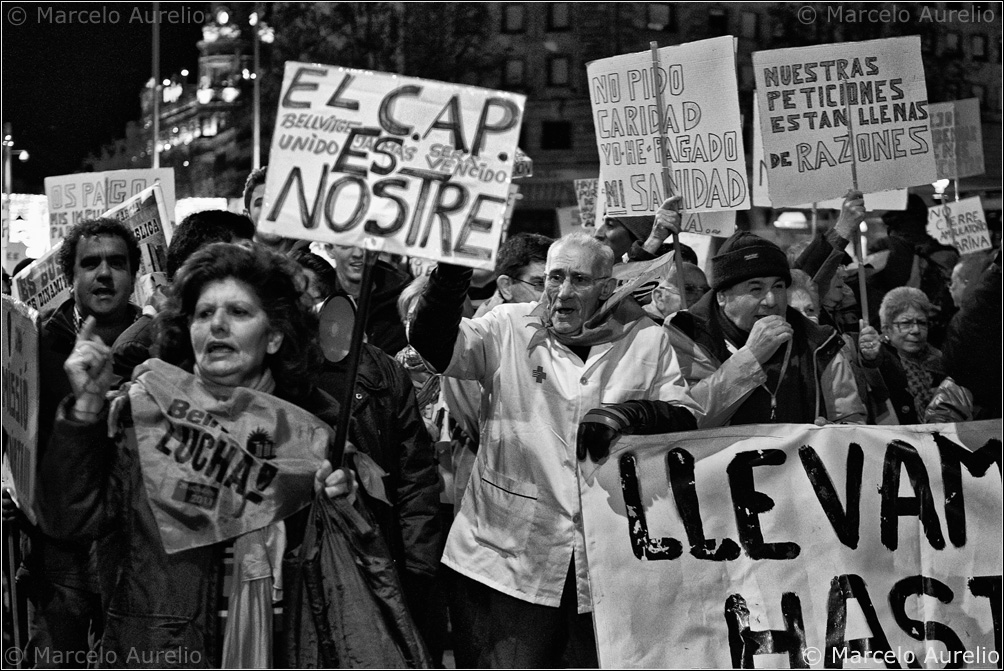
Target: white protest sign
20, 402
569, 220
74, 198
883, 200
797, 546
958, 138
145, 214
805, 94
586, 191
417, 167
697, 86
960, 224
42, 284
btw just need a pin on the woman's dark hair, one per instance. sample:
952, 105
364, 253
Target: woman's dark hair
273, 279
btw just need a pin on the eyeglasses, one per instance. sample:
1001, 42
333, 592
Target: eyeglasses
579, 282
908, 324
537, 283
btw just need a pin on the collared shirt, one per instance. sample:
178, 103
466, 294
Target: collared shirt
521, 521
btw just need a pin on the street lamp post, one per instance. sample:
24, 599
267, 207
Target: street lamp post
256, 88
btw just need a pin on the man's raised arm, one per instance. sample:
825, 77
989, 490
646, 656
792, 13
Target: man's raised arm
436, 323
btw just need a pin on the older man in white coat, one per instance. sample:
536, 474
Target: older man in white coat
517, 546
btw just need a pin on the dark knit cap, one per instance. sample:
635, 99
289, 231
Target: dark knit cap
745, 256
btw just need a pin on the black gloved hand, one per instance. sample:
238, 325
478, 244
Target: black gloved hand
597, 432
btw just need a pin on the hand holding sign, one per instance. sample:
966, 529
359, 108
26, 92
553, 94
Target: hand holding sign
89, 369
852, 213
667, 220
340, 482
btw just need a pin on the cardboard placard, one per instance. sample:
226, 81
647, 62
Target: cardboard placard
805, 95
958, 138
74, 198
43, 286
20, 403
416, 167
960, 224
586, 191
883, 200
697, 86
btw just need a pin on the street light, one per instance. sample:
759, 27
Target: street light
262, 33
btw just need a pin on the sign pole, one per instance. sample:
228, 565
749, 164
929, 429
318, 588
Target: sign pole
355, 350
862, 283
666, 176
15, 608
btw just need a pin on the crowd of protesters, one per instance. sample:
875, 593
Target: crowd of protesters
470, 410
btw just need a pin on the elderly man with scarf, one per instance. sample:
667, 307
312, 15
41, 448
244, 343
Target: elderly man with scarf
517, 547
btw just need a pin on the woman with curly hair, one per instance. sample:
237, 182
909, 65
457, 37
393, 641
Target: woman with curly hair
911, 368
215, 442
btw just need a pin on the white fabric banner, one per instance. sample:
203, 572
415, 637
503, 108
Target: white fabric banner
798, 546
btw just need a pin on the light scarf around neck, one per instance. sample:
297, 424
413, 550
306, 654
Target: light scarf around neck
609, 324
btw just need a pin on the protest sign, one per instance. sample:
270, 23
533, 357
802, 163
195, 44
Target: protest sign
146, 214
569, 220
585, 194
696, 85
883, 200
805, 95
74, 198
722, 548
958, 138
43, 286
416, 167
20, 402
960, 224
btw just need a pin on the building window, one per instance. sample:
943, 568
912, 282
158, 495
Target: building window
978, 47
951, 43
751, 25
556, 135
718, 22
514, 18
661, 16
513, 73
559, 71
559, 16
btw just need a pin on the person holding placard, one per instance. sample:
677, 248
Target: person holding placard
911, 368
516, 548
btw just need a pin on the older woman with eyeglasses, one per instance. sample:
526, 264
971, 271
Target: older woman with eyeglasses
911, 368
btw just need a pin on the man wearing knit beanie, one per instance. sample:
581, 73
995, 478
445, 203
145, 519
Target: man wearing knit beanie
754, 359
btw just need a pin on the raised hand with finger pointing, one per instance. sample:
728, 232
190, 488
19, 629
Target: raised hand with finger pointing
89, 370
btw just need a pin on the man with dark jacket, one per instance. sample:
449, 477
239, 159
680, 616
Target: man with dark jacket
761, 361
99, 258
384, 327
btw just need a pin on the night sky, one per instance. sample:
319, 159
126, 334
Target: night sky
69, 88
